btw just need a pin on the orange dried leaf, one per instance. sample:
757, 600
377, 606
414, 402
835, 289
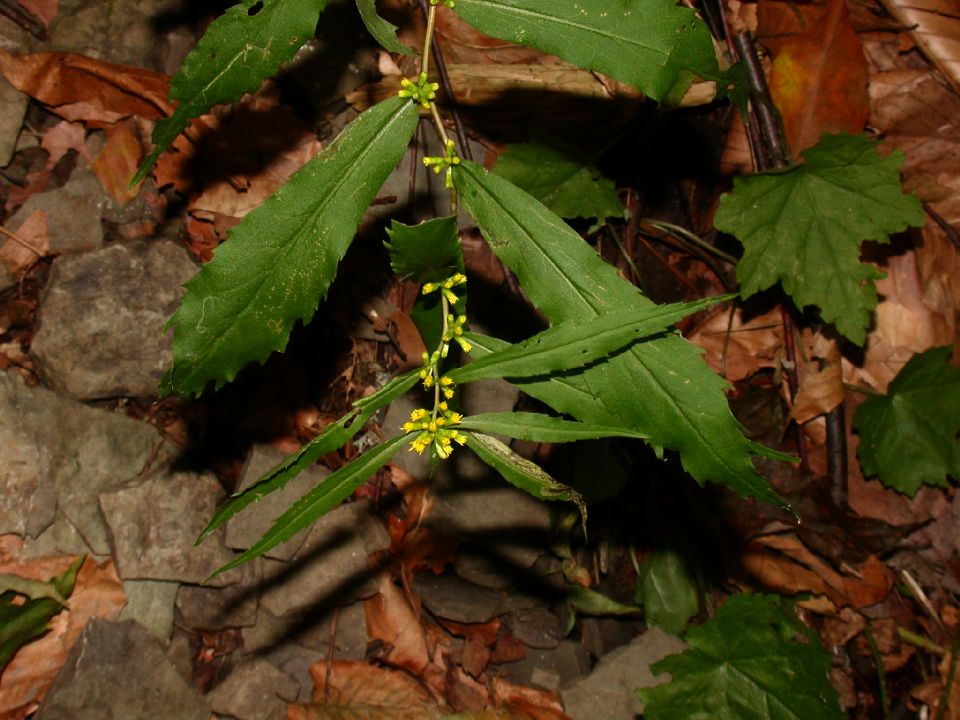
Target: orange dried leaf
80, 88
392, 620
818, 80
21, 248
821, 379
935, 26
118, 162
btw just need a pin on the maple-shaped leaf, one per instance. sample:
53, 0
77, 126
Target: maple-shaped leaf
908, 437
803, 226
746, 663
562, 179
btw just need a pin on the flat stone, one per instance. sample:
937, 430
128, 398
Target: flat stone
551, 668
54, 447
535, 627
102, 315
150, 603
154, 525
209, 608
295, 660
312, 630
81, 26
253, 691
607, 692
453, 598
118, 671
13, 107
61, 538
333, 564
73, 211
244, 530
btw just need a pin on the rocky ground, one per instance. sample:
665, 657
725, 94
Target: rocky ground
92, 465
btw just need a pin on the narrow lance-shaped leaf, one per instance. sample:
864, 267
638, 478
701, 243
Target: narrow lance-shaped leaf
240, 49
660, 387
320, 500
537, 427
804, 226
383, 32
655, 45
279, 262
524, 474
573, 344
333, 437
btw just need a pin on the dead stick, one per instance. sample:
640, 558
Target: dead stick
20, 241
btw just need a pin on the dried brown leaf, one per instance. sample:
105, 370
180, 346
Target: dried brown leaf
392, 620
21, 248
77, 87
118, 162
820, 376
739, 349
934, 26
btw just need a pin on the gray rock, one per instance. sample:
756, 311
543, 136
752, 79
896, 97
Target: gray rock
253, 691
154, 525
7, 278
398, 412
102, 315
81, 26
210, 608
295, 660
61, 538
312, 630
333, 564
13, 106
551, 668
56, 447
535, 627
73, 212
150, 603
117, 671
247, 528
453, 598
607, 692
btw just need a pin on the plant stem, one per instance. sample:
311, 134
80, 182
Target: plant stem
948, 685
427, 40
881, 672
682, 232
920, 641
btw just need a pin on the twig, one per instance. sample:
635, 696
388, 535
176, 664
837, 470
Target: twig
20, 241
777, 155
948, 685
921, 597
947, 228
13, 11
881, 672
920, 641
623, 251
837, 454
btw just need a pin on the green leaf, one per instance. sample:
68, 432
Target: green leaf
427, 252
537, 427
908, 437
21, 622
240, 49
383, 32
522, 473
562, 179
590, 602
653, 45
574, 344
33, 589
745, 663
803, 226
660, 387
333, 437
320, 500
279, 262
667, 589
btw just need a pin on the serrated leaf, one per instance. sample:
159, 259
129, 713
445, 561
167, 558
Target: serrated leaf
240, 49
908, 437
654, 45
803, 226
21, 622
383, 32
522, 473
537, 427
334, 436
667, 589
660, 387
320, 500
576, 343
745, 663
279, 262
568, 184
426, 252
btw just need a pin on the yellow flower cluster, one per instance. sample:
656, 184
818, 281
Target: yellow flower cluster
448, 3
449, 159
446, 286
435, 431
420, 91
